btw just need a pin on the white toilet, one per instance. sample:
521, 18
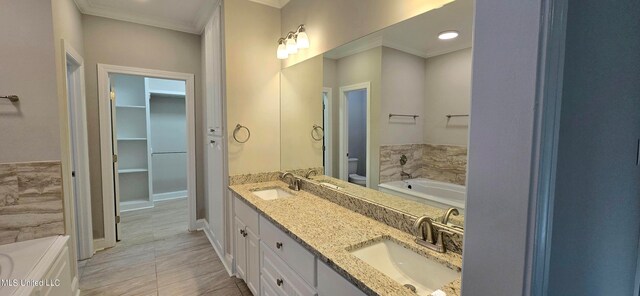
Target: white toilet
353, 176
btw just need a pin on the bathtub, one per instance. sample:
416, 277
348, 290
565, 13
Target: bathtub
35, 267
438, 194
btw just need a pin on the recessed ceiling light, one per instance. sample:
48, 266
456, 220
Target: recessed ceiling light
446, 35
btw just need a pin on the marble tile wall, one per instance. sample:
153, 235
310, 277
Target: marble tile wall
390, 167
31, 204
444, 163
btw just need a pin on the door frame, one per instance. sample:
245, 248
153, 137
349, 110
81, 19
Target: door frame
106, 133
327, 133
78, 142
344, 132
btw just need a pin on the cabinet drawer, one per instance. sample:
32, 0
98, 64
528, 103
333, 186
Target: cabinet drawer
280, 276
296, 256
266, 289
248, 215
331, 283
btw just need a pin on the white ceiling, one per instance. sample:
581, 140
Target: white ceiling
419, 35
187, 15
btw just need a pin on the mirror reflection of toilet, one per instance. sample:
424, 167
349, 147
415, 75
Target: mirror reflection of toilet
353, 173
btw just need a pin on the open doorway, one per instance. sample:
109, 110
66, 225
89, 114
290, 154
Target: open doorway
355, 134
148, 152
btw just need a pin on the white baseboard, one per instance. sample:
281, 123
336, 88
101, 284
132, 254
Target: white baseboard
99, 244
170, 195
204, 226
127, 206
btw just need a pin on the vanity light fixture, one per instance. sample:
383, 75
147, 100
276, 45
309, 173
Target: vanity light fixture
302, 40
292, 47
282, 49
447, 35
290, 44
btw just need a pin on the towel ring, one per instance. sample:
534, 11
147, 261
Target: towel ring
237, 129
315, 129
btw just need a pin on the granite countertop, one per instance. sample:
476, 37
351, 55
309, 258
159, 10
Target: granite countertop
329, 231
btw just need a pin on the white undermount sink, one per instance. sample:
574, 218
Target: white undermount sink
406, 267
272, 193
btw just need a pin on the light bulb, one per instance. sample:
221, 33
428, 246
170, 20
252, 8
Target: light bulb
302, 40
291, 46
282, 51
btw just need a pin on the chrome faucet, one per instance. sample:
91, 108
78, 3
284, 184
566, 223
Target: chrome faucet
425, 228
405, 174
311, 172
294, 183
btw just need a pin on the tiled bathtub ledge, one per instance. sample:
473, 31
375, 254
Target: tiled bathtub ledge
329, 231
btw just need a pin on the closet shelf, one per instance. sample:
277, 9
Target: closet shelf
129, 171
132, 139
163, 93
131, 106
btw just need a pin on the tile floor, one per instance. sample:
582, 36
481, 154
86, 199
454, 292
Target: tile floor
158, 256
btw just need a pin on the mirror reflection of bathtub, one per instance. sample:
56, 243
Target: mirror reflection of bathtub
434, 193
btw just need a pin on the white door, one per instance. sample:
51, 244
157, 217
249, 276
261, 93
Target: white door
114, 148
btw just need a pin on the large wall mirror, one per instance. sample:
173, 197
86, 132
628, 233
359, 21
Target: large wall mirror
388, 111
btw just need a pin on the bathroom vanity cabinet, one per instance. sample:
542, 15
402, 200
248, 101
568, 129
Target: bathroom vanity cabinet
273, 263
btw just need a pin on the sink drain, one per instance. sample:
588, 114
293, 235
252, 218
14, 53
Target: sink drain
411, 287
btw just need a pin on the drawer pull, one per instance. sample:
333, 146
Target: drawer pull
279, 282
278, 245
243, 232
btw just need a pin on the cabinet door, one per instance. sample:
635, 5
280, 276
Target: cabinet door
240, 249
266, 289
253, 262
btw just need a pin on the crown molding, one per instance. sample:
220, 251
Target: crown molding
273, 3
194, 27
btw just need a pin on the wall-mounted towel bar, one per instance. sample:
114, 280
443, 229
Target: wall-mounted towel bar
12, 98
174, 152
457, 115
403, 115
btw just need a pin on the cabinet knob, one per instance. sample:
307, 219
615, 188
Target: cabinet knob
279, 282
279, 245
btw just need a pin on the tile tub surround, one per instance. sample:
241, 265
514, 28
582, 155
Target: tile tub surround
390, 167
30, 201
309, 219
445, 163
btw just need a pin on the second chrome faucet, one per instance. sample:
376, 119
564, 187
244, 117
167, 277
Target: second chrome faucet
430, 233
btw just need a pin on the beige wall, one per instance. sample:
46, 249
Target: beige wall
29, 129
448, 91
359, 68
331, 23
301, 108
115, 42
252, 85
403, 92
